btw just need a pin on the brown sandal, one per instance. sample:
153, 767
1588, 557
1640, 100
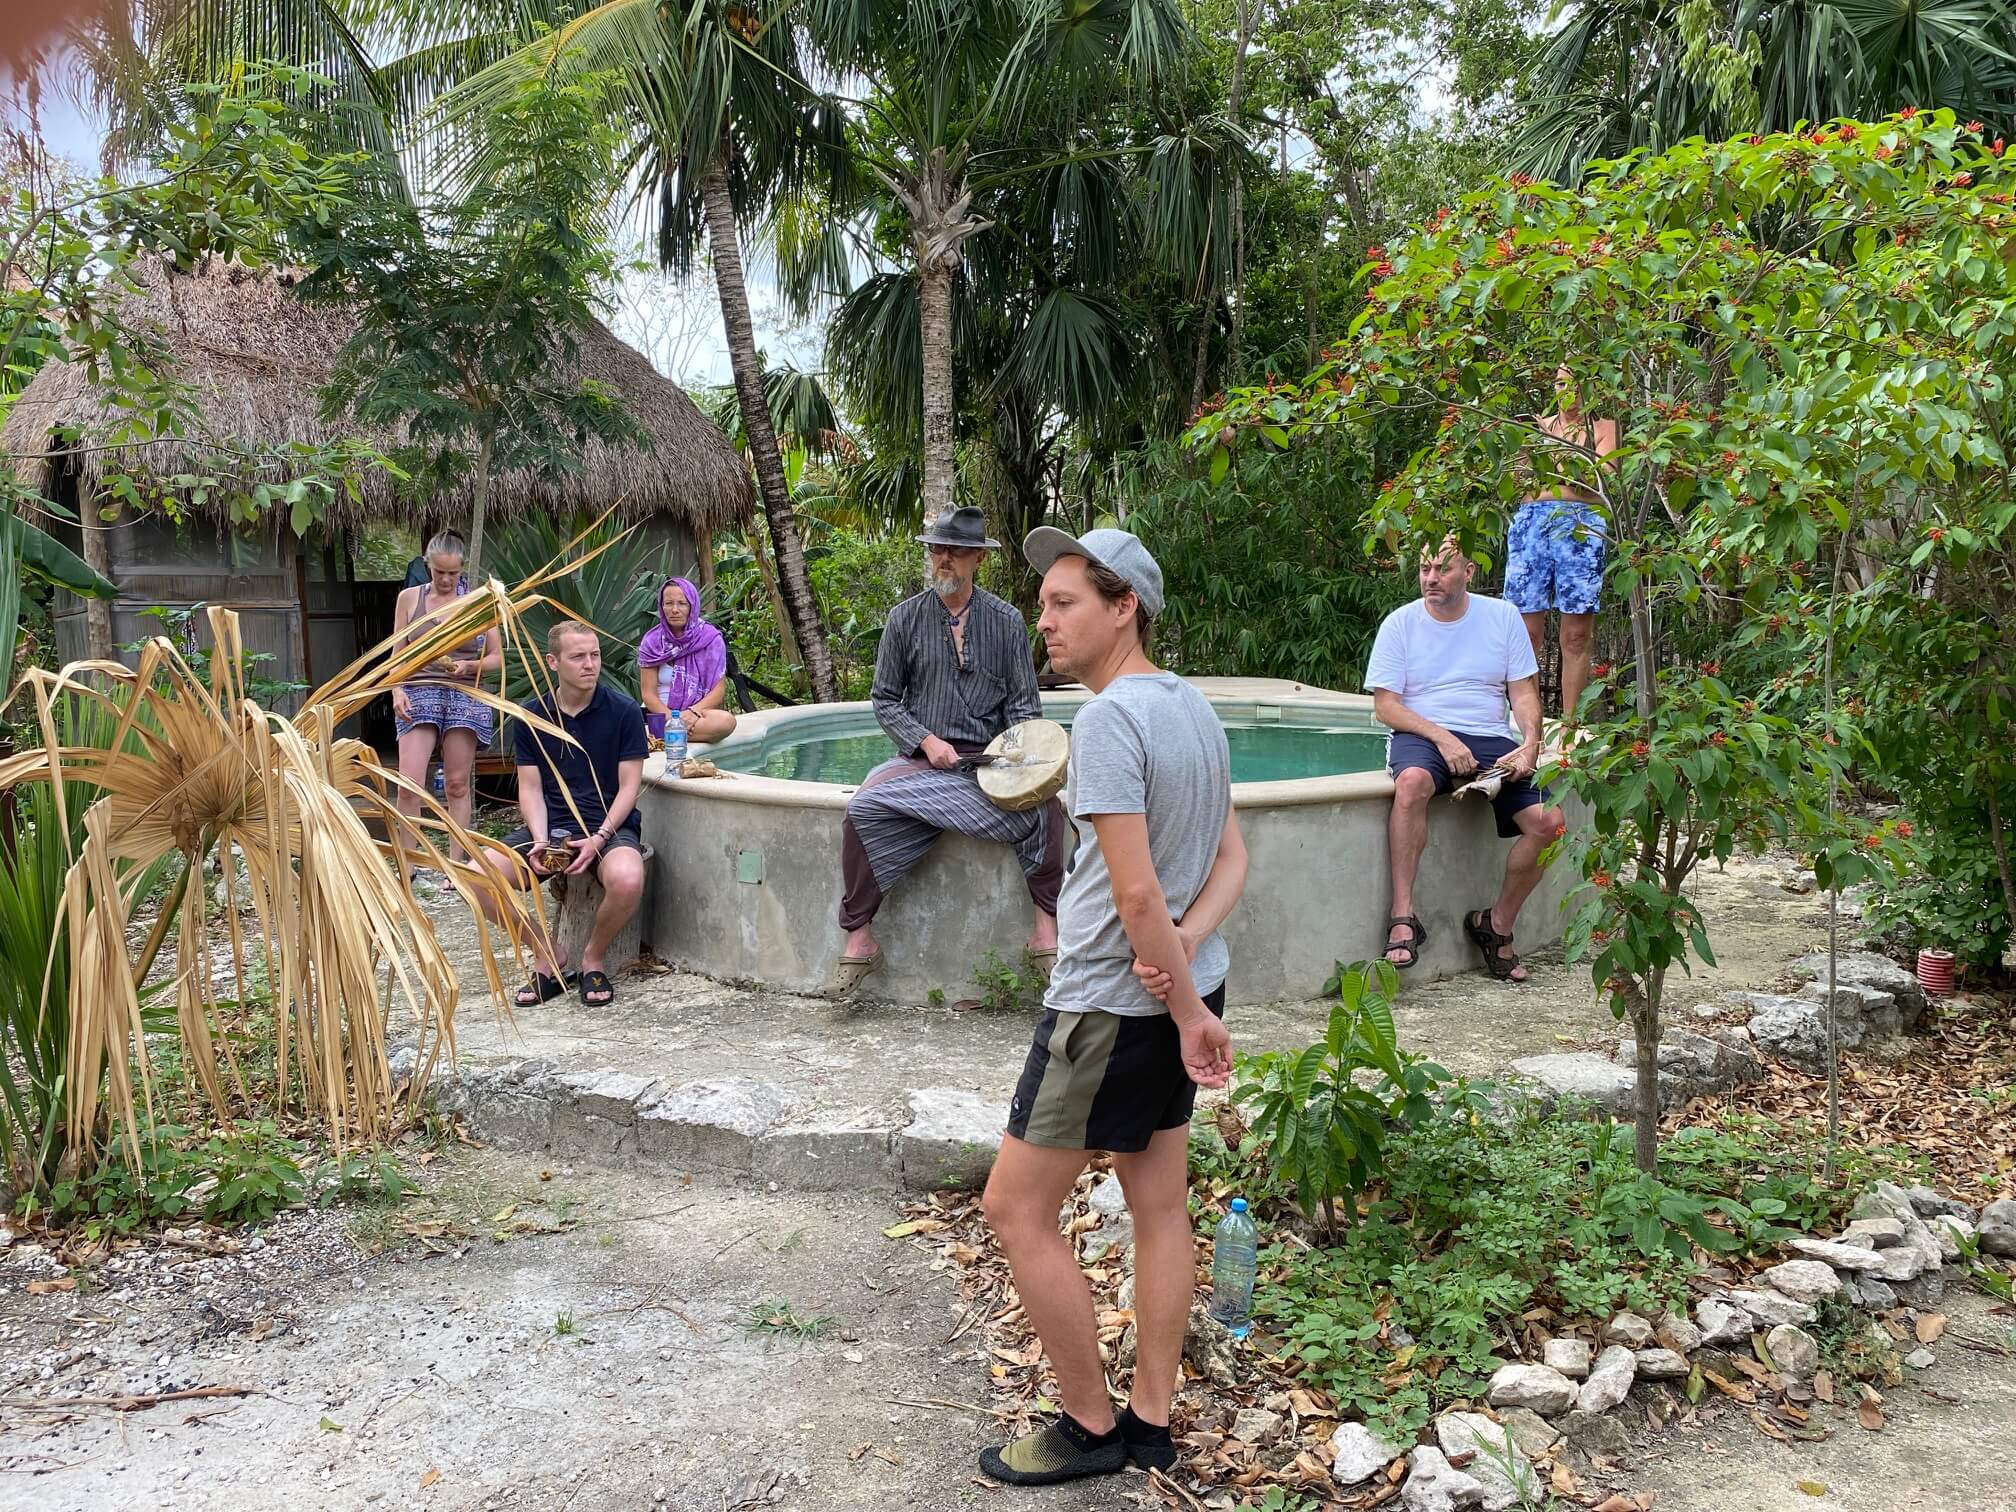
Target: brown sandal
848, 974
1477, 925
1417, 936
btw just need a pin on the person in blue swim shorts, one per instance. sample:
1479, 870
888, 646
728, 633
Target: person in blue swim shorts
1558, 546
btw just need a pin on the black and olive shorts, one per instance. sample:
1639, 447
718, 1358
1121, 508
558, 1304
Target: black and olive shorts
1104, 1081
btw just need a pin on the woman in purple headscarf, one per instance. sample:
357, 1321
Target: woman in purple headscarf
684, 662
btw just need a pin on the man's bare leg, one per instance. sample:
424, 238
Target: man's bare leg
1027, 1187
1538, 827
1043, 933
1578, 638
546, 957
622, 877
1157, 1183
1406, 838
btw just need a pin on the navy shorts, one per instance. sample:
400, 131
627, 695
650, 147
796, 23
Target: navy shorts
1104, 1081
1404, 751
520, 840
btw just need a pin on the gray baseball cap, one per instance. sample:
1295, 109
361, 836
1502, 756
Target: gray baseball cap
1119, 551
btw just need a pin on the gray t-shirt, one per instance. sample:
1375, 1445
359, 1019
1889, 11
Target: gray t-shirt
1149, 744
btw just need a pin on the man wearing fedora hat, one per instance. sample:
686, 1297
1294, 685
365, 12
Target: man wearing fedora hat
954, 670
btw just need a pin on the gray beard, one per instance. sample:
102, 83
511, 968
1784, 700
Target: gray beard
946, 588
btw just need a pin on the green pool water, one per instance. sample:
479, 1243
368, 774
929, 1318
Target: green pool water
1262, 751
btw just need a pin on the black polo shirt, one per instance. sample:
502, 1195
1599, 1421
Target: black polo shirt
610, 731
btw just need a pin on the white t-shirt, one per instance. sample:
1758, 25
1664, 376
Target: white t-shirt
1454, 673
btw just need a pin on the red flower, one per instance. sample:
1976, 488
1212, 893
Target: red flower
1848, 131
1936, 533
1640, 749
1711, 668
1600, 878
1962, 180
1907, 112
1718, 739
1972, 126
1884, 153
1871, 841
1904, 828
1601, 669
1374, 252
1754, 141
1561, 825
1995, 148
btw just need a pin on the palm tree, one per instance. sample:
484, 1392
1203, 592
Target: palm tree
718, 120
956, 82
1622, 74
723, 126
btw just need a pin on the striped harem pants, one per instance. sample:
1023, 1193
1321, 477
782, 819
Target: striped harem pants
906, 804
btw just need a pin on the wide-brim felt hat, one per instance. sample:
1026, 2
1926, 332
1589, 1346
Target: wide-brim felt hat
961, 526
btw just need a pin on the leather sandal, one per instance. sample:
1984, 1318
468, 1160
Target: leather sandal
1043, 962
1417, 933
1477, 925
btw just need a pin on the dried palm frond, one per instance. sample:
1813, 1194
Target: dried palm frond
202, 771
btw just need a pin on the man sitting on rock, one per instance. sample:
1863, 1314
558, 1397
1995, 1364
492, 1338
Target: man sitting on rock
953, 671
1441, 672
579, 802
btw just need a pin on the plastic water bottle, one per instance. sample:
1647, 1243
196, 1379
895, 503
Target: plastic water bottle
1234, 1253
675, 745
440, 783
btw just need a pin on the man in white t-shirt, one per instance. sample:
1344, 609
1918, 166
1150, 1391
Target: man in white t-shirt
1442, 671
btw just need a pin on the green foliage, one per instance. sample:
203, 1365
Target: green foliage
1262, 571
1477, 1219
781, 1319
372, 1177
243, 1173
1954, 901
470, 309
615, 592
1003, 987
1326, 1113
857, 577
257, 1169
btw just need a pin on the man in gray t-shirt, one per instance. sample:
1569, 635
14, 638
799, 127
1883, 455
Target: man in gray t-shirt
1132, 1021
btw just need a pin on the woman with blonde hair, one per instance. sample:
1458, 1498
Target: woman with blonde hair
435, 709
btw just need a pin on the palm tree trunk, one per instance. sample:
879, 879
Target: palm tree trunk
480, 510
1235, 106
934, 318
794, 582
97, 611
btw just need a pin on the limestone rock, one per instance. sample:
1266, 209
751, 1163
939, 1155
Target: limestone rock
1998, 1228
1539, 1388
1661, 1364
1722, 1323
1580, 1078
1950, 1231
1867, 969
1506, 1475
1802, 1280
1432, 1485
1208, 1347
1609, 1380
1921, 1359
1872, 1293
1256, 1425
1357, 1454
1930, 1204
1629, 1329
1791, 1028
1109, 1198
1909, 1260
1531, 1432
1569, 1356
1927, 1290
1596, 1435
1772, 1307
1691, 1064
1874, 1233
1847, 1257
1885, 1200
1794, 1352
950, 1140
1677, 1334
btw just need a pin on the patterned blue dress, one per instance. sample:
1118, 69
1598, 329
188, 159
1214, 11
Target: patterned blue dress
443, 705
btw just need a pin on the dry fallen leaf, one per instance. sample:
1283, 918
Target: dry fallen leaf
1616, 1503
1870, 1416
1811, 1488
1930, 1326
1563, 1480
1768, 1428
261, 1328
44, 1288
429, 1478
1823, 1385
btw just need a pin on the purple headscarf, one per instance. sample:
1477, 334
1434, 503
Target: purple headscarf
695, 658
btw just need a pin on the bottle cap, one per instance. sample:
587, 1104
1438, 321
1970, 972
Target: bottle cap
1238, 1204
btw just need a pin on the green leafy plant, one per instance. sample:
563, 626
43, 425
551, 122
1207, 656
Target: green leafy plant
1326, 1112
1002, 987
781, 1318
615, 591
257, 1170
372, 1177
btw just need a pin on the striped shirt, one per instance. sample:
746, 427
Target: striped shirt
923, 687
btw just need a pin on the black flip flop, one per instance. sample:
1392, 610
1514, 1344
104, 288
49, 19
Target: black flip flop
547, 988
1417, 937
597, 982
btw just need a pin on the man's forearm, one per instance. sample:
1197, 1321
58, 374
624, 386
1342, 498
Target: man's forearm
625, 800
903, 728
1218, 896
1152, 934
532, 805
1396, 716
1526, 709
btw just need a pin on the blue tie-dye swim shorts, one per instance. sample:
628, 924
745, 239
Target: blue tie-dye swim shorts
1554, 557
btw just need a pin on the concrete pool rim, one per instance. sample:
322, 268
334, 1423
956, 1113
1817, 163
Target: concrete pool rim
1236, 697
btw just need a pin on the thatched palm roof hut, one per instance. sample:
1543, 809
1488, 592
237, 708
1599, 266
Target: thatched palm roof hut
258, 358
